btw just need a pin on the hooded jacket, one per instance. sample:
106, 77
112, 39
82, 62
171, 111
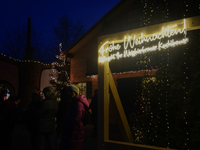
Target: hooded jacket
47, 114
73, 129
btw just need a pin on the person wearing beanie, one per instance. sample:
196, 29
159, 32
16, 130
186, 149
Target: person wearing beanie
73, 88
72, 127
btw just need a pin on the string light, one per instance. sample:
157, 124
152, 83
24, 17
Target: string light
166, 97
24, 61
185, 82
132, 41
54, 76
149, 72
136, 51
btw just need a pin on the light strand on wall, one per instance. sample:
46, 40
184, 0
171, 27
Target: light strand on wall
141, 17
166, 96
167, 10
148, 102
185, 83
151, 113
146, 17
138, 73
145, 13
139, 132
185, 14
160, 97
185, 100
23, 61
144, 98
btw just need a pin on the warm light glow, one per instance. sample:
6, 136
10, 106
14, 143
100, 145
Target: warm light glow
109, 48
131, 41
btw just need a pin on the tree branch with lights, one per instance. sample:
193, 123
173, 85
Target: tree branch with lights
59, 78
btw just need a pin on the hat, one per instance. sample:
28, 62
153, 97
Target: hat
48, 91
74, 88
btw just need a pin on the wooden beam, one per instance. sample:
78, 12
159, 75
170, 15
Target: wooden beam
103, 104
116, 145
106, 101
124, 126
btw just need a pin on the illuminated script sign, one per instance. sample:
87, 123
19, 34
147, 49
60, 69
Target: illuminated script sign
132, 45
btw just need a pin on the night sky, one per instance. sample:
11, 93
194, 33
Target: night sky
45, 13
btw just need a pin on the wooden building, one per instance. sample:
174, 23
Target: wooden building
133, 40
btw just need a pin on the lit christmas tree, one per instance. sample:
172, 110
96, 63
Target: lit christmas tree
59, 78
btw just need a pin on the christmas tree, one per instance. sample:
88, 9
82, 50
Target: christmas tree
59, 78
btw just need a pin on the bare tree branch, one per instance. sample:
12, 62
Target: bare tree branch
15, 43
67, 31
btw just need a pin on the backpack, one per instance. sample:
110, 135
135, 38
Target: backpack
86, 119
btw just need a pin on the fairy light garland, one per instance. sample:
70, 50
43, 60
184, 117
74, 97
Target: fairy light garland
145, 13
167, 10
24, 61
167, 91
137, 73
54, 79
139, 132
141, 18
148, 100
186, 9
185, 82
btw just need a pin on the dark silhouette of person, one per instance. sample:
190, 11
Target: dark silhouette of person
62, 109
10, 118
94, 108
47, 119
62, 106
72, 127
31, 119
3, 93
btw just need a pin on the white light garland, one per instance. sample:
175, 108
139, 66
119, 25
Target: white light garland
18, 60
53, 77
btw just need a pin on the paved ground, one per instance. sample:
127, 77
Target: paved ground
21, 139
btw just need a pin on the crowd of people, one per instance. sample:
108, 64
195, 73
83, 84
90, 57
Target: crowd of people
45, 117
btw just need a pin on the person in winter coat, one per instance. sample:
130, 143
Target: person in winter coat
31, 119
11, 117
62, 109
94, 108
72, 126
47, 119
3, 93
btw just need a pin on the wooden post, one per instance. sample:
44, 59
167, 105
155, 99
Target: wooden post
106, 100
103, 104
123, 123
